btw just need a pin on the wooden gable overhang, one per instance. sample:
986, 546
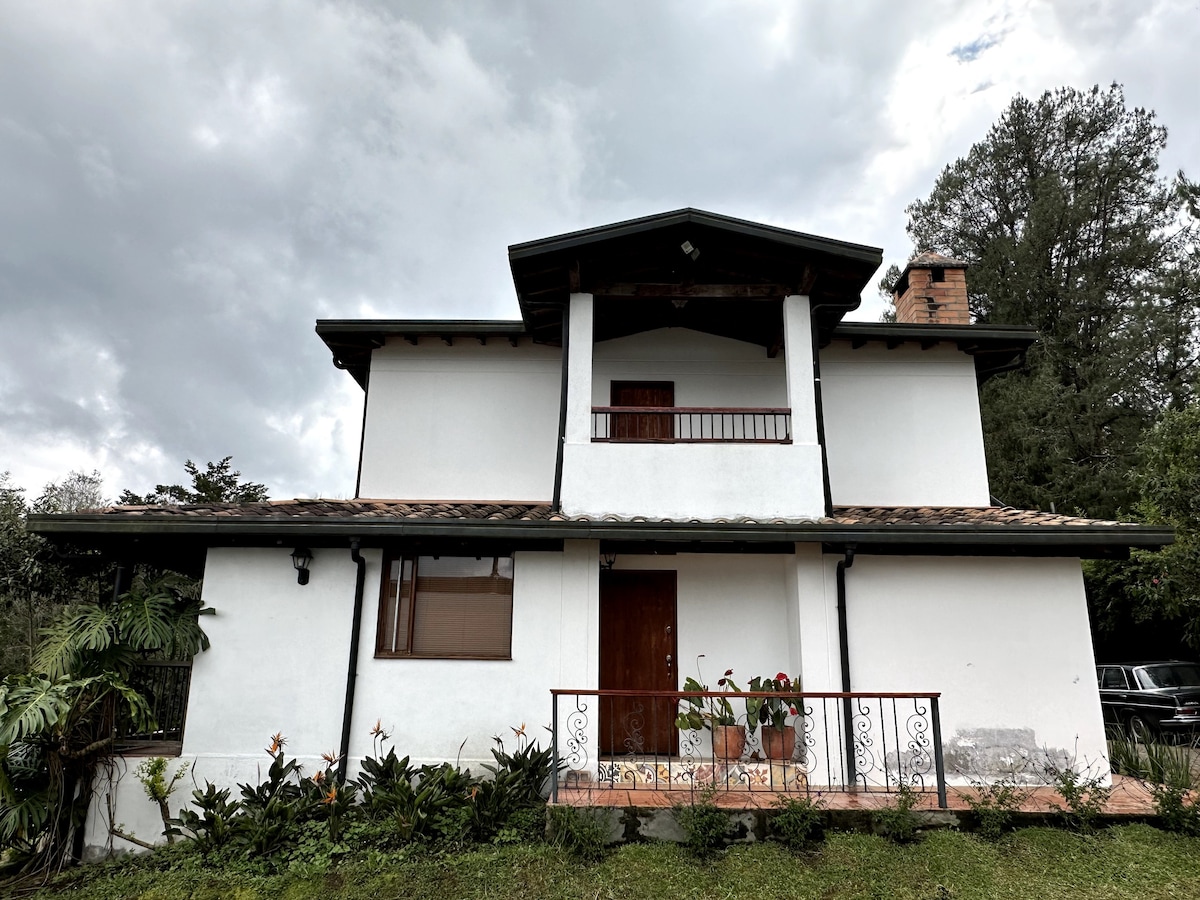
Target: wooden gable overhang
689, 269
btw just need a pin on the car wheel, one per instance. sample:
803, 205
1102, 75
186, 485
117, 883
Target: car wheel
1140, 730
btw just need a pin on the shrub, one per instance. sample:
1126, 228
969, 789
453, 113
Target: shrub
797, 822
897, 821
215, 825
705, 825
1082, 792
1176, 808
581, 832
994, 805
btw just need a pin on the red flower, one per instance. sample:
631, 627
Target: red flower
721, 683
793, 709
728, 672
781, 676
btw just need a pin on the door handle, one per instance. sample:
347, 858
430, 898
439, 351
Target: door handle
668, 662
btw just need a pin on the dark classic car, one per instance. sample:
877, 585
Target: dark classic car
1151, 698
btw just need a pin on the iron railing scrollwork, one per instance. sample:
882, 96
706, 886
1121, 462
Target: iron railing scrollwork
889, 740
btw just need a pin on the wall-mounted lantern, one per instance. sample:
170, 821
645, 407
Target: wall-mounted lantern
301, 557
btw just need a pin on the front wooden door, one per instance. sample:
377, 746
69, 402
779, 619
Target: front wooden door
637, 653
642, 426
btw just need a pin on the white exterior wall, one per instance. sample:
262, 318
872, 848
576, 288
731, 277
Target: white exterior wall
465, 422
702, 480
432, 705
1006, 641
732, 608
277, 664
707, 370
902, 426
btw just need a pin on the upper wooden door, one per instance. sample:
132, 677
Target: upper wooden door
637, 653
642, 426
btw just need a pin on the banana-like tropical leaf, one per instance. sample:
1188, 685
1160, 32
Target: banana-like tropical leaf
139, 708
95, 628
58, 651
188, 637
21, 818
33, 705
147, 618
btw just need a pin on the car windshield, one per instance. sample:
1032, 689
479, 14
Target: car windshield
1168, 676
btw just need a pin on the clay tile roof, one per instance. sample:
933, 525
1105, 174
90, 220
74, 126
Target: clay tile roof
957, 515
527, 512
368, 509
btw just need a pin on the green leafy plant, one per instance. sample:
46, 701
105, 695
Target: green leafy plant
897, 821
152, 773
797, 822
579, 831
1151, 762
1083, 793
994, 804
704, 712
771, 710
705, 825
1176, 808
216, 823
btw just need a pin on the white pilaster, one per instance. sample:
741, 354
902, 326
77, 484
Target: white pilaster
798, 361
579, 371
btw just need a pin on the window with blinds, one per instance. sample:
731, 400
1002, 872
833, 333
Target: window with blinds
447, 607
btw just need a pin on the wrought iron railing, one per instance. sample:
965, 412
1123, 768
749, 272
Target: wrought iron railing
691, 425
830, 742
165, 686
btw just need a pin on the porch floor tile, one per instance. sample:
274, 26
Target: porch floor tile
1129, 798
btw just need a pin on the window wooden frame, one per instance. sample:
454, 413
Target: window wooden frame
393, 605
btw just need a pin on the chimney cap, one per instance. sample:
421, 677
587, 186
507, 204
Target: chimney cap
927, 259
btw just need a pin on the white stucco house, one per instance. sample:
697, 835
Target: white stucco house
679, 450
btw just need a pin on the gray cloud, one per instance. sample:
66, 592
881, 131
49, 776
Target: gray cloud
185, 187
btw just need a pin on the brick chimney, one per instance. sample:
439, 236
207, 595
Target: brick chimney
932, 291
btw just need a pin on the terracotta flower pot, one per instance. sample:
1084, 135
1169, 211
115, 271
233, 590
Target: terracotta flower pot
778, 744
728, 741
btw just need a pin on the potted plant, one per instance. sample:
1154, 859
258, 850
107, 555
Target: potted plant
778, 737
715, 714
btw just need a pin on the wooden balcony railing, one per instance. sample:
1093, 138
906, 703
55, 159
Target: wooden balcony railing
691, 424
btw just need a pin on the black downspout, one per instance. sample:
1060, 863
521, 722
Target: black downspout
844, 647
820, 410
352, 670
556, 504
362, 435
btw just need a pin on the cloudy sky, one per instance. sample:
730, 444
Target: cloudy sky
186, 186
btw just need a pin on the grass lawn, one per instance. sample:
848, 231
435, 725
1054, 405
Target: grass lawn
1133, 861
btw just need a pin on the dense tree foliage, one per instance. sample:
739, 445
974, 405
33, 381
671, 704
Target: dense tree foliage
35, 581
215, 484
1069, 227
61, 719
1161, 586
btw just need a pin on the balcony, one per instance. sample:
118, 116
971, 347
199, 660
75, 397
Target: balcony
164, 685
691, 425
849, 743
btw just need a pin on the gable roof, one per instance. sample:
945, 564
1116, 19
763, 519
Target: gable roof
692, 254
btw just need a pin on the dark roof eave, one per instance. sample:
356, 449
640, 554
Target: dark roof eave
574, 239
1065, 536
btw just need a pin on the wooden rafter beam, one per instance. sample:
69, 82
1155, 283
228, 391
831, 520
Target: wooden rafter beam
747, 291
